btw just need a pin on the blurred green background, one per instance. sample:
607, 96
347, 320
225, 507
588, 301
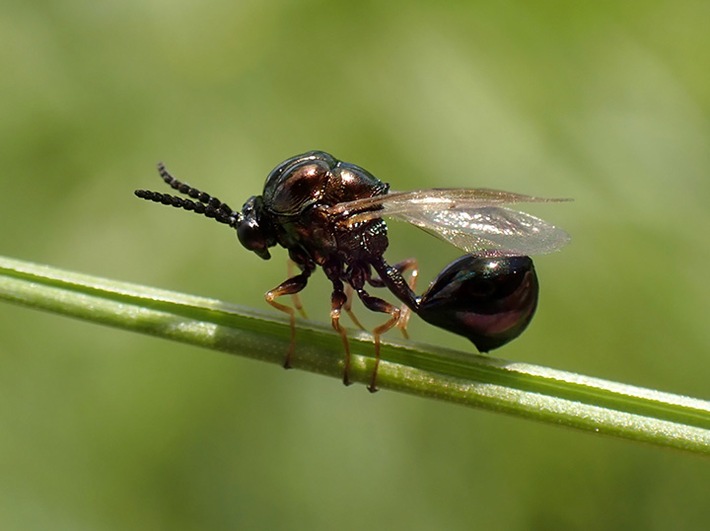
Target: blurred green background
605, 102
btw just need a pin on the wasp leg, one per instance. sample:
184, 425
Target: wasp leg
405, 312
289, 287
295, 298
378, 305
348, 307
338, 299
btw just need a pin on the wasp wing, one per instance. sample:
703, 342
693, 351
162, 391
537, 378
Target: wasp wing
471, 219
490, 230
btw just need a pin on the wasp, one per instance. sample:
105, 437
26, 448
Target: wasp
329, 214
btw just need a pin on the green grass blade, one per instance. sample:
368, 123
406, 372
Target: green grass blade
521, 389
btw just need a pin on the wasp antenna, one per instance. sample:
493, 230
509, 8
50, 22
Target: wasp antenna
194, 193
220, 215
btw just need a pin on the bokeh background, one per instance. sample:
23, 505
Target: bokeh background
605, 102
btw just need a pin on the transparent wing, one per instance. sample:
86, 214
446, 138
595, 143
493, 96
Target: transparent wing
471, 219
490, 230
430, 200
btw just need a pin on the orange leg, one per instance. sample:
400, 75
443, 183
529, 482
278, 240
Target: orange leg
348, 307
289, 287
378, 305
295, 298
405, 312
337, 301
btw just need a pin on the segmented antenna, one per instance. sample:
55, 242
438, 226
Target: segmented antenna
206, 204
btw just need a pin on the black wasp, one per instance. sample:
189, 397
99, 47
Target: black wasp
329, 213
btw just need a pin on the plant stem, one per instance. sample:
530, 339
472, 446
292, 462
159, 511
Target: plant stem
521, 389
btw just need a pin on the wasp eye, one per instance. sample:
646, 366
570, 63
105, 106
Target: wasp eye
488, 300
250, 233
